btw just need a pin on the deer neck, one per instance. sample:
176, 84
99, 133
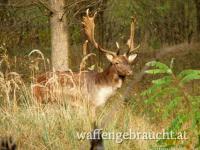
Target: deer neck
109, 77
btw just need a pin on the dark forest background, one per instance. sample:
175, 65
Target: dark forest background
24, 25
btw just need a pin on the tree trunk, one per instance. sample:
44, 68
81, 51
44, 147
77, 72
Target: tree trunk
59, 36
197, 3
102, 27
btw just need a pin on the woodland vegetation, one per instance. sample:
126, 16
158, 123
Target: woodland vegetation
163, 93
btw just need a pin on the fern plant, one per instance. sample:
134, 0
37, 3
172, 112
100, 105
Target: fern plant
170, 97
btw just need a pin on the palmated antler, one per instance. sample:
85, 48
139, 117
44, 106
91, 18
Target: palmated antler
130, 41
89, 27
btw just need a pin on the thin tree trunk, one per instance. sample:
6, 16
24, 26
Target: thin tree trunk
102, 27
197, 3
59, 36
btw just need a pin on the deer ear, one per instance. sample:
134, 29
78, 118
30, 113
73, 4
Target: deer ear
131, 58
109, 57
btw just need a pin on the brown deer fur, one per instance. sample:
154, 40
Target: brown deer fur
93, 85
98, 87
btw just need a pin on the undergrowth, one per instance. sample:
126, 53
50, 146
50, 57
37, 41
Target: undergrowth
171, 100
55, 125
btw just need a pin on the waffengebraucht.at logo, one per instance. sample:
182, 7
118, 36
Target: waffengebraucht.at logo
119, 137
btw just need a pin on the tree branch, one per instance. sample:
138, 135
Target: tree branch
16, 6
32, 3
47, 6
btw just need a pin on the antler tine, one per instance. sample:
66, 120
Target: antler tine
130, 41
85, 45
87, 12
89, 26
118, 48
117, 44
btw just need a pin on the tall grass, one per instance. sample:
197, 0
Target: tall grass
55, 125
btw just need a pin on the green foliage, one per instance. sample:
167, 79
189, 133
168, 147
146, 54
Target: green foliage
161, 68
171, 106
177, 123
189, 75
169, 95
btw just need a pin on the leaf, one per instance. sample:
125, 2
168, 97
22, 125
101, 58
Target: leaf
196, 110
187, 72
157, 65
197, 117
178, 122
155, 71
150, 90
190, 77
163, 81
160, 94
169, 108
160, 68
196, 99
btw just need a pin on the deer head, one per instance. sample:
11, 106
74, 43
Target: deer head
121, 62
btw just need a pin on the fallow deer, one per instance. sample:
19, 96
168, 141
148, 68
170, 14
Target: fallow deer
98, 87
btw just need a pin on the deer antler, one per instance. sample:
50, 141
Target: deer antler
130, 41
89, 27
85, 45
118, 48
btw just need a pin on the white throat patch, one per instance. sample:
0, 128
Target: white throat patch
103, 94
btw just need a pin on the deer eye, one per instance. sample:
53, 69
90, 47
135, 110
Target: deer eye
116, 63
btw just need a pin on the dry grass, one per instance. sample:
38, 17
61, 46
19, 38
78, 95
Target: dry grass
55, 125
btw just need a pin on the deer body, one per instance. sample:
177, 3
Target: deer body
98, 87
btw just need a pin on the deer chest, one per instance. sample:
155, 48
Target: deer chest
102, 95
